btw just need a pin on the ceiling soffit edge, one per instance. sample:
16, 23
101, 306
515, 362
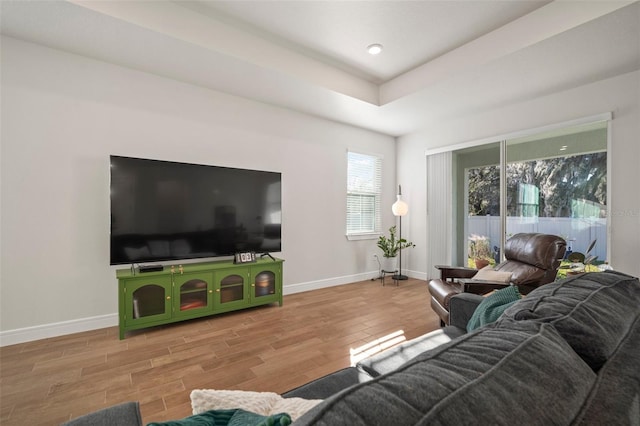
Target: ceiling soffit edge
190, 26
541, 24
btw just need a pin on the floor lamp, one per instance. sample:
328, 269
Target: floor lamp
400, 208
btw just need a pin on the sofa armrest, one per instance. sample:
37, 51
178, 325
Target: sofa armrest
453, 272
461, 308
328, 385
126, 414
471, 285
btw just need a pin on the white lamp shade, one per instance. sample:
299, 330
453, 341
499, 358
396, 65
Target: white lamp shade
399, 208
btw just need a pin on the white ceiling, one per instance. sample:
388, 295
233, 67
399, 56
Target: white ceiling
441, 58
338, 32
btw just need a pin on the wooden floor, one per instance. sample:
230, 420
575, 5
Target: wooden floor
270, 348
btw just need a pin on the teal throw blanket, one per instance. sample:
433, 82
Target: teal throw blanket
235, 417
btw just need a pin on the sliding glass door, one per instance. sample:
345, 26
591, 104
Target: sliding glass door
477, 203
553, 182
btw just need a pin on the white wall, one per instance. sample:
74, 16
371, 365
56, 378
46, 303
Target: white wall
63, 115
620, 95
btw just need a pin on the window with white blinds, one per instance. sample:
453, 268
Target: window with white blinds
364, 183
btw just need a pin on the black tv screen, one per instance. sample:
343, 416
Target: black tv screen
162, 210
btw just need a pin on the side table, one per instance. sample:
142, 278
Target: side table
393, 273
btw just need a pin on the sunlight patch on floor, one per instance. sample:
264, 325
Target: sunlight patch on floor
376, 346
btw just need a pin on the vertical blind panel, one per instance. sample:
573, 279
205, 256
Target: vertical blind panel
439, 211
364, 183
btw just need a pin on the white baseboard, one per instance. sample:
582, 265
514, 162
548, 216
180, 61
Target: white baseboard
29, 334
416, 274
348, 279
330, 282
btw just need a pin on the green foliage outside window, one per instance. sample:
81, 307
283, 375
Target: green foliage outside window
565, 184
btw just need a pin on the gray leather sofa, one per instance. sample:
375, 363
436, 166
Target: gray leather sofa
566, 354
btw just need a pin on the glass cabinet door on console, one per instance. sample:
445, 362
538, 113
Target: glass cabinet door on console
231, 288
264, 283
147, 301
193, 294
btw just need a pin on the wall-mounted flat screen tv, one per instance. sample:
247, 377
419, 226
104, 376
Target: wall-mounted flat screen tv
162, 210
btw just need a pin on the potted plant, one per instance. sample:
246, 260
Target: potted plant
480, 250
581, 263
390, 247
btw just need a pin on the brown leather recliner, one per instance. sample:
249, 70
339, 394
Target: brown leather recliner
533, 260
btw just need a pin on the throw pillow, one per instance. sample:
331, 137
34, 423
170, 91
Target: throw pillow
492, 306
488, 274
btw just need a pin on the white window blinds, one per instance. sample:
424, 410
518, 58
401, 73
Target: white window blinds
364, 182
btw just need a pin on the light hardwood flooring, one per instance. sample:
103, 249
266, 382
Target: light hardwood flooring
269, 348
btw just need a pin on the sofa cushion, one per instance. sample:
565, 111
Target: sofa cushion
492, 306
615, 398
392, 358
329, 385
489, 274
592, 312
492, 373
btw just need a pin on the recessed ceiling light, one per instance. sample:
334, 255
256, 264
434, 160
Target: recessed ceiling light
374, 49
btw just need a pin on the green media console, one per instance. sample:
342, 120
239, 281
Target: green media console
182, 292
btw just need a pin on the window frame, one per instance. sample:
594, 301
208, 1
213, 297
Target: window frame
371, 188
